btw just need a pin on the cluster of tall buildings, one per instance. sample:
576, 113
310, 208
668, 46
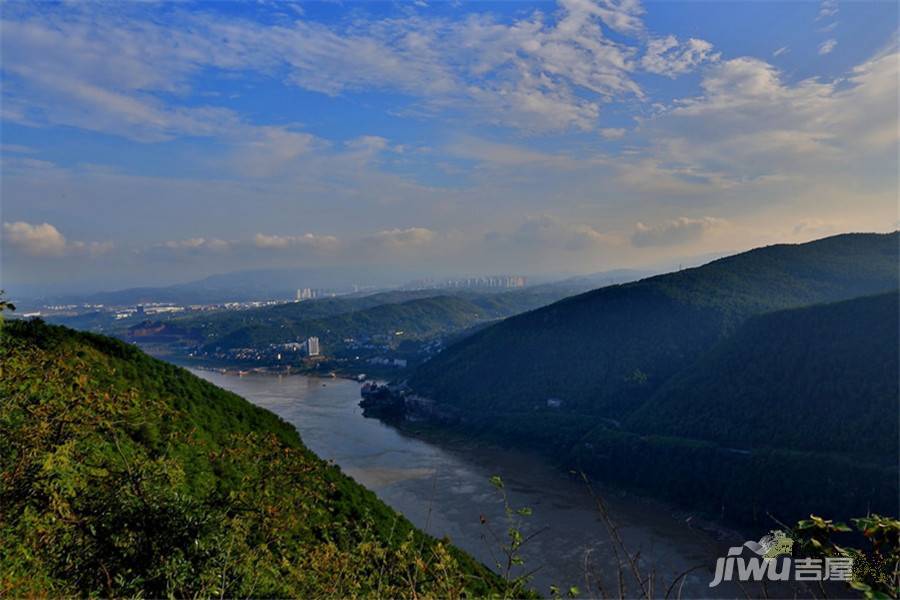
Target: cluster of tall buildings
487, 281
306, 294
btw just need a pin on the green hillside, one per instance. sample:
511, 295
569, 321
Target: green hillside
796, 413
420, 315
126, 476
222, 323
417, 319
704, 386
605, 352
821, 379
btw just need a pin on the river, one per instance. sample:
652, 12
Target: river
444, 489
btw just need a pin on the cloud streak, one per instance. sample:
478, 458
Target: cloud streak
678, 231
538, 72
667, 56
827, 46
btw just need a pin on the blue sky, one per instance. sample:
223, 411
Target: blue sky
146, 143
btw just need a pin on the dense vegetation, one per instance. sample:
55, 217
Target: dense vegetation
876, 565
420, 315
821, 379
416, 319
683, 385
607, 351
218, 325
123, 475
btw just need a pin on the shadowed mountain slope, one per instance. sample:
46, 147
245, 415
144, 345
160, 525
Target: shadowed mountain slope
607, 351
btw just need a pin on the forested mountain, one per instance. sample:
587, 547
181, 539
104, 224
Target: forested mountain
606, 351
416, 319
271, 319
719, 387
796, 413
822, 378
126, 476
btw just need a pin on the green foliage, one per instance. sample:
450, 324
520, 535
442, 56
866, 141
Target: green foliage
121, 475
819, 378
418, 319
5, 305
508, 559
586, 349
421, 315
876, 568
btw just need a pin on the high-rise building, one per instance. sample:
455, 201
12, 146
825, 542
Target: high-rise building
305, 294
312, 346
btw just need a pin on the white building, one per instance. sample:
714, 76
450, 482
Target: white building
312, 346
305, 294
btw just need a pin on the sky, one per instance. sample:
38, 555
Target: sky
151, 143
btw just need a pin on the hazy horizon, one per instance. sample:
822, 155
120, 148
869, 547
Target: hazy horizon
150, 144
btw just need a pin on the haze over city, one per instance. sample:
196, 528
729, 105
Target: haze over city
150, 144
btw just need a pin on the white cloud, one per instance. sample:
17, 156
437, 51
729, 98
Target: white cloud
547, 231
106, 70
307, 240
91, 248
44, 239
750, 126
828, 8
37, 240
97, 72
670, 233
368, 143
827, 46
814, 227
780, 51
613, 133
197, 244
666, 56
507, 155
264, 151
620, 15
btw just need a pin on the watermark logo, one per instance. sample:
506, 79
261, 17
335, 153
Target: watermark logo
770, 559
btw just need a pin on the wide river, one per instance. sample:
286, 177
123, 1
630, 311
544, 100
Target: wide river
444, 489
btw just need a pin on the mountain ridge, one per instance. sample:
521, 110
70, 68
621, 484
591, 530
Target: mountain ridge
580, 380
829, 361
648, 329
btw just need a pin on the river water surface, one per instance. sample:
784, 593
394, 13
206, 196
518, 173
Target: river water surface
444, 489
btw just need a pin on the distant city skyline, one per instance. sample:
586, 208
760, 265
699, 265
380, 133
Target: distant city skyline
147, 144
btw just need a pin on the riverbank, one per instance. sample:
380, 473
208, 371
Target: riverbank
440, 481
441, 433
329, 371
751, 490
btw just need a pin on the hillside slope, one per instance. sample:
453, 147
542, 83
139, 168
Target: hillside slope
822, 378
605, 352
419, 315
417, 319
222, 323
126, 476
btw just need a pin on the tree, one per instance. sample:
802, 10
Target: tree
5, 305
